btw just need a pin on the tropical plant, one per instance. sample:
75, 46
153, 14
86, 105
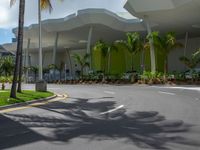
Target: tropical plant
19, 48
103, 47
192, 62
82, 61
6, 65
111, 47
60, 68
106, 51
165, 44
134, 44
34, 70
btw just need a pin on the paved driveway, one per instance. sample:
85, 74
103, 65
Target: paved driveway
104, 117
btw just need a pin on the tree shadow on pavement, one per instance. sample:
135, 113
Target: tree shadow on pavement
14, 134
84, 118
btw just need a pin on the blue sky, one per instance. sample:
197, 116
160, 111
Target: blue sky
9, 16
6, 36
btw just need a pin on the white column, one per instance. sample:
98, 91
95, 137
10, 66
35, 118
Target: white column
55, 48
89, 45
152, 50
40, 42
70, 62
27, 59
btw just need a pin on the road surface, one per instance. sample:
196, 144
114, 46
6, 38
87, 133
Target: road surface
105, 117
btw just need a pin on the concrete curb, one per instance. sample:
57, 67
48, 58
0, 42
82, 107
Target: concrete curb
27, 103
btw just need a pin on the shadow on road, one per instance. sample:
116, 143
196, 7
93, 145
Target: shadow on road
82, 118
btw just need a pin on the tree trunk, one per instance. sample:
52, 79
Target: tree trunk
82, 72
19, 89
19, 48
60, 75
132, 69
70, 62
35, 76
165, 68
109, 62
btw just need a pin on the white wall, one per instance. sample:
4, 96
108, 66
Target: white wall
174, 62
60, 56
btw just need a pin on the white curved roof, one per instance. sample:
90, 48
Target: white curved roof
75, 27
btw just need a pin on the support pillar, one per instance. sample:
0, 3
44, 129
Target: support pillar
70, 62
55, 48
27, 59
185, 46
54, 53
152, 49
89, 46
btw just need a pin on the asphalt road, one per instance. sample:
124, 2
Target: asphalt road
105, 117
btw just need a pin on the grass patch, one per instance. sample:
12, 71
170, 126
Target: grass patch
26, 95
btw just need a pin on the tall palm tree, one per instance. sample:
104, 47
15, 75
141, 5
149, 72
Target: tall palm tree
103, 47
154, 40
165, 44
19, 46
42, 4
111, 47
133, 44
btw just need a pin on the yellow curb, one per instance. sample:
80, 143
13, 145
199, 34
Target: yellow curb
34, 104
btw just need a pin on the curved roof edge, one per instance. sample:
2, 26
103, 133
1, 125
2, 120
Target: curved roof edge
88, 16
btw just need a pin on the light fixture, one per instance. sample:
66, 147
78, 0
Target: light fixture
82, 41
196, 26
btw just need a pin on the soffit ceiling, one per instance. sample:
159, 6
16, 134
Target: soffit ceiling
170, 15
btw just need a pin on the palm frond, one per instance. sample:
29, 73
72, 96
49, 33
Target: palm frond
46, 4
12, 2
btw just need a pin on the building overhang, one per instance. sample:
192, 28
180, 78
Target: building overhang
75, 27
170, 15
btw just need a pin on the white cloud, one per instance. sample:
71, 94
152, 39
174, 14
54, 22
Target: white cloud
9, 16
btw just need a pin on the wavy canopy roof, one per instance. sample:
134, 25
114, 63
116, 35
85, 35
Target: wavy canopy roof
75, 27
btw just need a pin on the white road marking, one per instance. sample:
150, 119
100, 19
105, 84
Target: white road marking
109, 92
109, 111
181, 88
197, 99
168, 93
54, 88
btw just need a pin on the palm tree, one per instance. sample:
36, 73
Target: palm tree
103, 47
165, 44
133, 44
153, 36
111, 47
42, 4
82, 61
19, 46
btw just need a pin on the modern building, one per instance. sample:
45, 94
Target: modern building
4, 52
78, 33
